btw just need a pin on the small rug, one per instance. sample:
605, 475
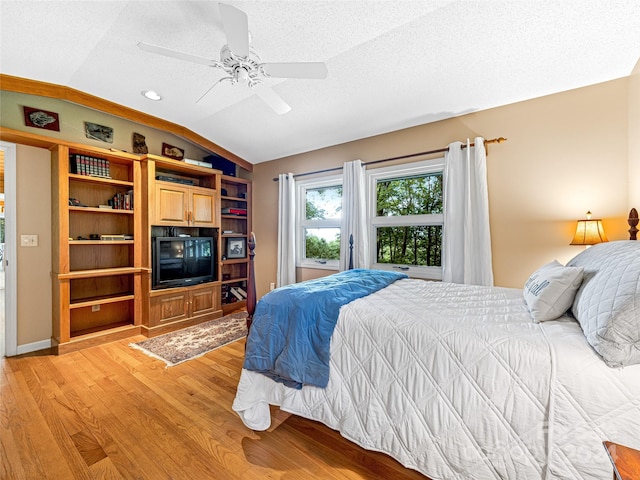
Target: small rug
176, 347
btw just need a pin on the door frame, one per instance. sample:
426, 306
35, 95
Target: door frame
10, 252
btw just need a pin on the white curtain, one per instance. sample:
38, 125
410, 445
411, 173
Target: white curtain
354, 216
466, 245
286, 230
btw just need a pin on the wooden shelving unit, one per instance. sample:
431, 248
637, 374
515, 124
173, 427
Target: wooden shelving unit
97, 283
102, 288
236, 194
188, 204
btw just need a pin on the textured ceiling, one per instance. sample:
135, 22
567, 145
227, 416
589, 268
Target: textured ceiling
392, 64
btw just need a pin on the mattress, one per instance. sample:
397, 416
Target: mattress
456, 381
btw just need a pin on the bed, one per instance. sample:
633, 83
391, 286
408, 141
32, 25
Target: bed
469, 382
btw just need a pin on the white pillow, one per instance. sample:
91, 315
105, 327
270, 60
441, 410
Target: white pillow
607, 305
550, 290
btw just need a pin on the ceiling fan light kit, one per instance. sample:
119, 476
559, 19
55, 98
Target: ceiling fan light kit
242, 64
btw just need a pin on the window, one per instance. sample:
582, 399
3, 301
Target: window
319, 207
406, 218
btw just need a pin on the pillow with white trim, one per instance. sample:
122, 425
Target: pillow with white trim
550, 290
607, 305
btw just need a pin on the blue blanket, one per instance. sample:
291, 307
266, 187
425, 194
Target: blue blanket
292, 326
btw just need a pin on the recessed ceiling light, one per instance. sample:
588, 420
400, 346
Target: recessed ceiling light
151, 95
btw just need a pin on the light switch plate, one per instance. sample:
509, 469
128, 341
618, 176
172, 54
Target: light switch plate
28, 240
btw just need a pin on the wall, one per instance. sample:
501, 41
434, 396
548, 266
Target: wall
2, 176
634, 138
566, 154
72, 118
33, 192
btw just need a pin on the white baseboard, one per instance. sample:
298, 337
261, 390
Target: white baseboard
33, 347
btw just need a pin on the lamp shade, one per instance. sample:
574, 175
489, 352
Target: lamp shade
589, 232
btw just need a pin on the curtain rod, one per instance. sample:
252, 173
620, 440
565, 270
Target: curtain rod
373, 162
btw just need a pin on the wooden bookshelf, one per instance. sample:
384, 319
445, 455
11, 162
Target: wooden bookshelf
97, 286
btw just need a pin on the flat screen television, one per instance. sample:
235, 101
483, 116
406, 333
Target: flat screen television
183, 261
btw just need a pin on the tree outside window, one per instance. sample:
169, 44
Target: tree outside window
406, 218
319, 229
409, 244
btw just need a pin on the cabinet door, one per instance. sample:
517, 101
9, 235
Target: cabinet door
172, 205
203, 207
203, 301
167, 308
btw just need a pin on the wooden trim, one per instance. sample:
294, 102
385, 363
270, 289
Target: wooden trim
43, 89
80, 342
31, 139
102, 272
625, 461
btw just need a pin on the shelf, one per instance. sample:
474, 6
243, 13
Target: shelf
167, 164
233, 199
234, 280
100, 210
100, 180
238, 195
88, 302
234, 261
235, 180
102, 272
102, 330
101, 242
230, 307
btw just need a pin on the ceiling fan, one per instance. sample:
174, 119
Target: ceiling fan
242, 64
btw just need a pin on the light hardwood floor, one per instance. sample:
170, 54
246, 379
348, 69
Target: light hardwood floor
111, 412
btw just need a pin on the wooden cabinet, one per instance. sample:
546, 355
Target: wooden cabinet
235, 204
178, 205
97, 264
184, 200
103, 218
184, 305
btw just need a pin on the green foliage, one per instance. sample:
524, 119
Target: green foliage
419, 195
403, 245
319, 248
330, 197
417, 245
410, 245
314, 212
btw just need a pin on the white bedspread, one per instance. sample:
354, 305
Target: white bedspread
457, 382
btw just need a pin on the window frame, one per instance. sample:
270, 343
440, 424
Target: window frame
374, 222
302, 223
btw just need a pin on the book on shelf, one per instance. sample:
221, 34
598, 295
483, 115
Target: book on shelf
122, 201
89, 166
234, 291
234, 211
112, 237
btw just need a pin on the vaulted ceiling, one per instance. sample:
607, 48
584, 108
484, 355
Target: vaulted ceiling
392, 64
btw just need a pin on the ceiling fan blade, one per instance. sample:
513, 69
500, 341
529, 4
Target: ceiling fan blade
296, 70
236, 29
271, 98
179, 55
